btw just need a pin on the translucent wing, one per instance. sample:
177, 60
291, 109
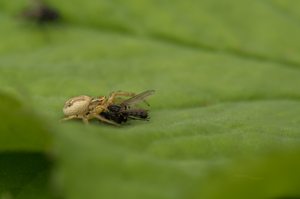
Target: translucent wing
137, 98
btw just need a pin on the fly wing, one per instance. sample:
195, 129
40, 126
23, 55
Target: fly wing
137, 98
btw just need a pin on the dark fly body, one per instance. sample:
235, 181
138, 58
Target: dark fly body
121, 114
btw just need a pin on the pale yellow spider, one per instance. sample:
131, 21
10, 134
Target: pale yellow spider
87, 108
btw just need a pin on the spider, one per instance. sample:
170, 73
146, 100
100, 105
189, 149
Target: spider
87, 108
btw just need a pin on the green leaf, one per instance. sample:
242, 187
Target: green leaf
20, 128
24, 138
24, 175
272, 176
165, 159
225, 117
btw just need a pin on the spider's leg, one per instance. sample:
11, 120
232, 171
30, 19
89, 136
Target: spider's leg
69, 118
102, 119
85, 120
113, 95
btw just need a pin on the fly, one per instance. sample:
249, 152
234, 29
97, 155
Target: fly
122, 112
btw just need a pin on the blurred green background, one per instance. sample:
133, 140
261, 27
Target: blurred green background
225, 119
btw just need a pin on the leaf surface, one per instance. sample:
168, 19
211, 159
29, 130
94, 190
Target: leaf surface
226, 109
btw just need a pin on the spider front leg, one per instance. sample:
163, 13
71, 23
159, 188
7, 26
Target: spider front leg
85, 120
102, 119
69, 118
113, 95
96, 114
